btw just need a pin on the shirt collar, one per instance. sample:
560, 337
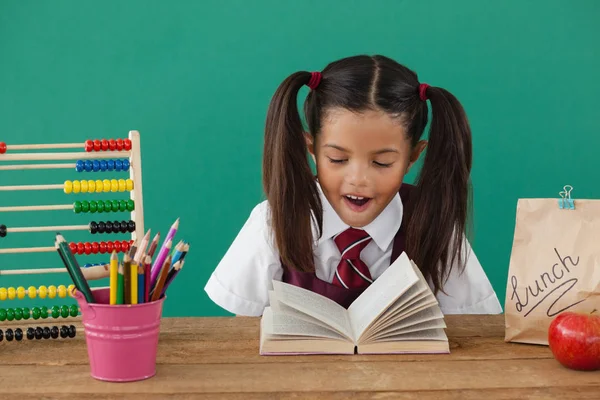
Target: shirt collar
382, 229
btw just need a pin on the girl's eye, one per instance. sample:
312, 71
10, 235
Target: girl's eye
382, 164
336, 161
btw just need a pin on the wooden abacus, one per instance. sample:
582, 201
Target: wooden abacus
120, 155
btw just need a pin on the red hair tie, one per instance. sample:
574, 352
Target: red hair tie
423, 91
315, 79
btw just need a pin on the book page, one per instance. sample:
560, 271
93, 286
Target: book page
315, 305
429, 334
283, 324
383, 292
415, 320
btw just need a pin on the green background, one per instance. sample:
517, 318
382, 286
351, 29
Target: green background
195, 78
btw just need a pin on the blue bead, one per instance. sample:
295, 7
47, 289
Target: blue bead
79, 166
125, 165
87, 265
110, 164
96, 165
102, 165
88, 166
118, 165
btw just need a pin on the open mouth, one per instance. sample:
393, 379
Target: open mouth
357, 203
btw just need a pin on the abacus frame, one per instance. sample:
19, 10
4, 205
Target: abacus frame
135, 174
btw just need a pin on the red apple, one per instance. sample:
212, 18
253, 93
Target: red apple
574, 339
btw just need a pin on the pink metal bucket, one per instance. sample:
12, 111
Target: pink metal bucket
121, 339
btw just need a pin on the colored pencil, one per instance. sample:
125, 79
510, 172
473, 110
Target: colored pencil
142, 248
172, 274
126, 279
157, 290
147, 266
134, 283
141, 284
120, 286
154, 245
114, 272
159, 261
177, 253
72, 265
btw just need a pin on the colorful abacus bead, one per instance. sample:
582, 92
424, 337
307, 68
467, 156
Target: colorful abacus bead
99, 206
97, 186
2, 230
116, 227
2, 147
39, 333
103, 247
25, 313
20, 292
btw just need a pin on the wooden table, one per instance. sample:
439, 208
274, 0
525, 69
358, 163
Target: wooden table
214, 357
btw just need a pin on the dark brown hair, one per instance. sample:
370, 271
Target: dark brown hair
439, 204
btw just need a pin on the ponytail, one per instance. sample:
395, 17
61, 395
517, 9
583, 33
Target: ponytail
288, 181
440, 201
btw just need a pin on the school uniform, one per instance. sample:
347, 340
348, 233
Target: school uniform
243, 277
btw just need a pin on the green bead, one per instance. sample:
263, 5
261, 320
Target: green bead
100, 206
35, 312
93, 206
85, 206
26, 313
77, 207
123, 205
115, 205
44, 312
74, 310
10, 314
55, 311
18, 314
2, 314
64, 311
130, 205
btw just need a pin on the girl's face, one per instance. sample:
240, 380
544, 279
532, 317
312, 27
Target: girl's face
361, 160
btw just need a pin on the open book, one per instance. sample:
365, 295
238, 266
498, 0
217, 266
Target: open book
397, 313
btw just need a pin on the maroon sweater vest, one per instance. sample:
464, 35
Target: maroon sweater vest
341, 295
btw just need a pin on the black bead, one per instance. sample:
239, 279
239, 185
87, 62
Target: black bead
30, 333
131, 226
1, 335
72, 331
64, 331
93, 227
39, 332
108, 226
101, 227
124, 227
116, 226
54, 332
9, 335
18, 334
2, 230
46, 333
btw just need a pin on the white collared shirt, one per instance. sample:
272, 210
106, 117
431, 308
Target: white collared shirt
243, 278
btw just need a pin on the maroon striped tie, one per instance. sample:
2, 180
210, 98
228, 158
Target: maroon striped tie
352, 272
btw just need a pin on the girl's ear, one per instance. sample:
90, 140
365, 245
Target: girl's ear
310, 145
416, 153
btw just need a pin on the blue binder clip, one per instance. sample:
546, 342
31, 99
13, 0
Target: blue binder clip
566, 202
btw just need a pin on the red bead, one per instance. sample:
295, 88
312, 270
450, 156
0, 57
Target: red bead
131, 242
95, 247
127, 144
119, 144
104, 144
109, 246
73, 247
87, 248
2, 147
125, 245
97, 145
112, 145
89, 145
80, 248
102, 247
117, 246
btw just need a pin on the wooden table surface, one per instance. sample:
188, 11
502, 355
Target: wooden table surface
218, 357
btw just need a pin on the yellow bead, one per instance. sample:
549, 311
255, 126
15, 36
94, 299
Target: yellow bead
62, 291
129, 185
76, 187
114, 185
91, 186
122, 185
42, 292
68, 187
21, 292
3, 293
31, 292
106, 184
84, 186
70, 289
52, 291
99, 186
12, 293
